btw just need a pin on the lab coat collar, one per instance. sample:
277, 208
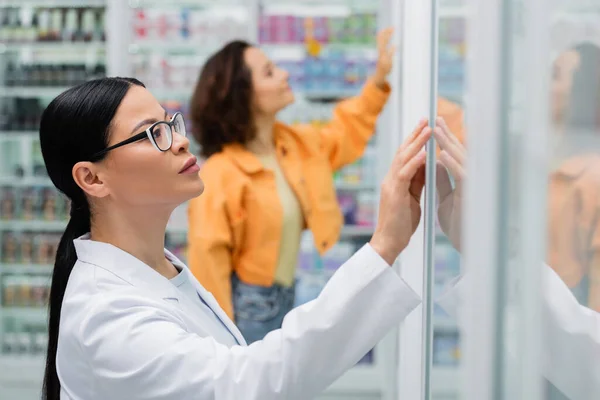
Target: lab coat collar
125, 266
138, 274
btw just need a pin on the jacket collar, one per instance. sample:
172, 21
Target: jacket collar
248, 161
575, 166
138, 274
244, 159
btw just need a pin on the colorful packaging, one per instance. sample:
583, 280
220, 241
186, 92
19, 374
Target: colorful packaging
9, 248
8, 206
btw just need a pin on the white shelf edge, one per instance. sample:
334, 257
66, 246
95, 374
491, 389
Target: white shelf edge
52, 3
15, 181
37, 46
17, 269
33, 225
354, 186
30, 91
18, 133
12, 368
183, 3
350, 231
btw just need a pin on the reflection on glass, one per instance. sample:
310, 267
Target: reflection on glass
446, 350
573, 249
574, 181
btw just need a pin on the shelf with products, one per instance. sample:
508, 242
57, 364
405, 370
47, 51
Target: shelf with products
183, 3
23, 182
33, 225
452, 58
328, 51
46, 23
47, 72
52, 3
25, 296
169, 46
17, 134
24, 334
39, 208
22, 92
198, 25
34, 269
76, 47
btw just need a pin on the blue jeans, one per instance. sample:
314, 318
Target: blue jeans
259, 310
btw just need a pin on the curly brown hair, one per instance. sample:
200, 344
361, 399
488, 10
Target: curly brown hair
220, 108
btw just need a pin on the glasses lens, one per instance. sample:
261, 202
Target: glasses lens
163, 137
179, 125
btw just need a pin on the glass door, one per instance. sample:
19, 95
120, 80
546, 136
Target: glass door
525, 294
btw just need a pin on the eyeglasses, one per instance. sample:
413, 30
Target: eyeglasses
160, 134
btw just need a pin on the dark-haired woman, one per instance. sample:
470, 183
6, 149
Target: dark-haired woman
270, 181
129, 321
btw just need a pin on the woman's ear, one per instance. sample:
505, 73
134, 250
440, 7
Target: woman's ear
87, 178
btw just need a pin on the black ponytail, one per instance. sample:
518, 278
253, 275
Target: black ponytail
79, 224
74, 126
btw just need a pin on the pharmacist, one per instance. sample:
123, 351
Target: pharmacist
571, 332
126, 318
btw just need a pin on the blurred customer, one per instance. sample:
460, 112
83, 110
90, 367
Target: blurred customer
574, 187
269, 181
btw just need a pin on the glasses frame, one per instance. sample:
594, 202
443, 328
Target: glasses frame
146, 134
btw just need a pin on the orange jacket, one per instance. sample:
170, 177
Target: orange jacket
236, 224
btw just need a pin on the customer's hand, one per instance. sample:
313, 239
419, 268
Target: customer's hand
385, 57
400, 204
452, 158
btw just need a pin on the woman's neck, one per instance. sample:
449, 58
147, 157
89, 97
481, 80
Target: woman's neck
138, 231
263, 143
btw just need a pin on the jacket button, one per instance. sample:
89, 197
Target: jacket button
324, 244
283, 151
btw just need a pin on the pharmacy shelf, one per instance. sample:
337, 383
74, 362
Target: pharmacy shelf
53, 3
24, 369
83, 48
31, 91
277, 50
172, 94
24, 313
183, 3
25, 181
333, 8
194, 47
346, 186
33, 226
357, 231
444, 323
26, 269
18, 133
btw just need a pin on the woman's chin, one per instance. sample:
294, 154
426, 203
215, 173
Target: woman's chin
195, 190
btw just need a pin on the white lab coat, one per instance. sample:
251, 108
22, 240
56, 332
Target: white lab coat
127, 333
570, 336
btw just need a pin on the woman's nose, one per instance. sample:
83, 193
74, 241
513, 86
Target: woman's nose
180, 143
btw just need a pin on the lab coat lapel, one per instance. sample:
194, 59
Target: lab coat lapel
210, 301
